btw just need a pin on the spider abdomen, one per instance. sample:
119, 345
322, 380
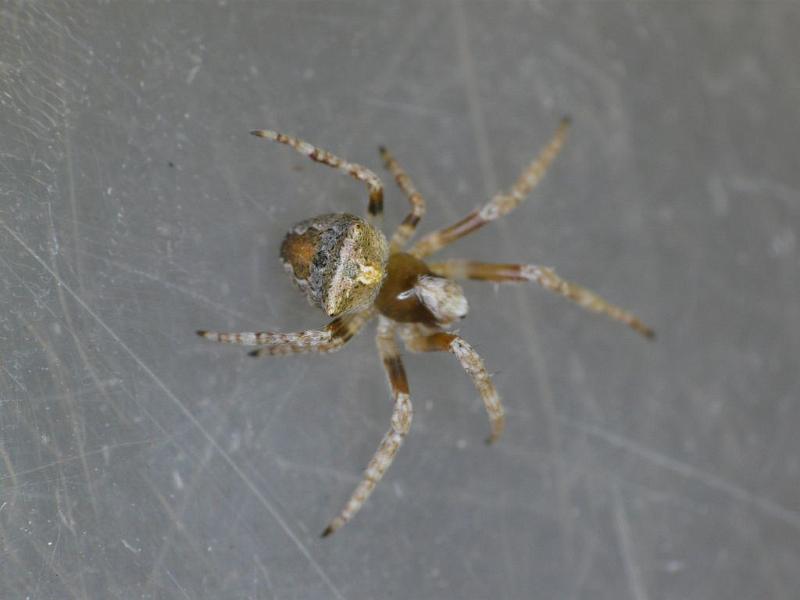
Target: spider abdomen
337, 260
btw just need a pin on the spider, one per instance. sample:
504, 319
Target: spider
346, 267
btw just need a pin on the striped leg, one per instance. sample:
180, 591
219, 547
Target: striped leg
547, 278
374, 185
501, 204
393, 439
406, 229
417, 341
335, 335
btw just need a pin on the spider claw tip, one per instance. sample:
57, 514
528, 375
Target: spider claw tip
566, 120
328, 530
643, 330
201, 332
253, 353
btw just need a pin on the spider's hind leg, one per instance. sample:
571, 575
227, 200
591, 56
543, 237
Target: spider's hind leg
393, 439
417, 339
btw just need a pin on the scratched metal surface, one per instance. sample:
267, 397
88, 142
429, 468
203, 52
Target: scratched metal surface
137, 461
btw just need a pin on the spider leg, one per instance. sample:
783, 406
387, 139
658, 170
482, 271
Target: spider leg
547, 278
418, 340
501, 204
373, 182
406, 229
393, 439
335, 335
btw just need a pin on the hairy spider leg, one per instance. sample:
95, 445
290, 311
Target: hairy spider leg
417, 339
393, 439
501, 204
373, 182
544, 276
335, 335
406, 229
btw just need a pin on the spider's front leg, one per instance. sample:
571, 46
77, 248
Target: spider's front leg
272, 343
501, 204
356, 171
393, 439
418, 340
406, 229
544, 276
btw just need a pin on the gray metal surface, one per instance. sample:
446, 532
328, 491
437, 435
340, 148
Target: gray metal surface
137, 461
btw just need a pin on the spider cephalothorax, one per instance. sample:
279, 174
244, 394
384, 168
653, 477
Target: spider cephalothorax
345, 266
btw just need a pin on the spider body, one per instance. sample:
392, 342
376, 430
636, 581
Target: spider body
346, 267
399, 298
342, 264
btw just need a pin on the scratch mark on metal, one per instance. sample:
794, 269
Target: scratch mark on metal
265, 502
267, 579
714, 482
176, 516
78, 426
177, 585
128, 546
14, 475
178, 288
627, 550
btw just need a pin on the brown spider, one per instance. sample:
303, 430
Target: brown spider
345, 266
